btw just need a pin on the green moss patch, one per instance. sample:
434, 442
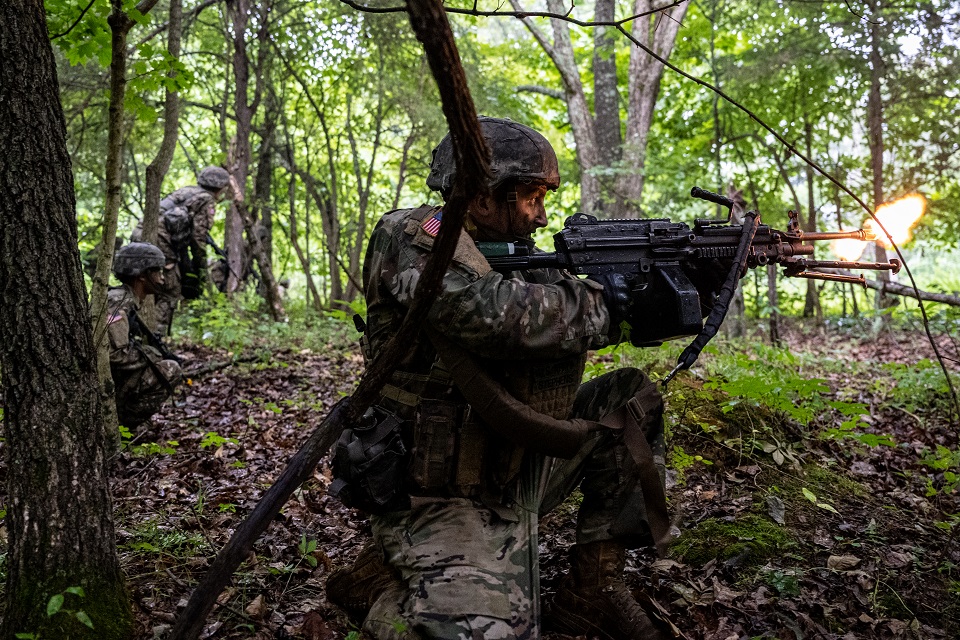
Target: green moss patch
751, 540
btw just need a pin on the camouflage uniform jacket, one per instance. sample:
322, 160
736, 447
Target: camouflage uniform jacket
541, 313
128, 357
537, 324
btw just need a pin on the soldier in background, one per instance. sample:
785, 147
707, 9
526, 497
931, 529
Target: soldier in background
186, 217
144, 371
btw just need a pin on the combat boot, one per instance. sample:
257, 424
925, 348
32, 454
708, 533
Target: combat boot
356, 589
593, 600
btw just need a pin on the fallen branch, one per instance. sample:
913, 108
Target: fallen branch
218, 366
897, 289
432, 28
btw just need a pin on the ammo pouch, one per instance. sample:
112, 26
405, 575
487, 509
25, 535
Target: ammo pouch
448, 450
370, 464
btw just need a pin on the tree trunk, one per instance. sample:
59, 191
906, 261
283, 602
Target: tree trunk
402, 169
659, 32
295, 241
590, 133
363, 196
244, 109
331, 229
774, 300
811, 306
581, 122
157, 169
233, 229
238, 12
263, 182
875, 136
59, 519
120, 25
606, 100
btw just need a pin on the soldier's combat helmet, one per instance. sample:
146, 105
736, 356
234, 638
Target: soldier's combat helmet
517, 154
136, 258
213, 178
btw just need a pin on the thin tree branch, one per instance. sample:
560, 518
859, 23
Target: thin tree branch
547, 91
521, 14
163, 27
75, 22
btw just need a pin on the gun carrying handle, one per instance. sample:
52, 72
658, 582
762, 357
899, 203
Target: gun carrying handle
689, 355
710, 196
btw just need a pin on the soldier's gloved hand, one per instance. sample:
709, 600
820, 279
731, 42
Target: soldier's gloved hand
616, 296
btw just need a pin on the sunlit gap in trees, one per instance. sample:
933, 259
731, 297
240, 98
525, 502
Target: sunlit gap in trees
328, 41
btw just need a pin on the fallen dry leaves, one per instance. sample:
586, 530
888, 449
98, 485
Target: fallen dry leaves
877, 568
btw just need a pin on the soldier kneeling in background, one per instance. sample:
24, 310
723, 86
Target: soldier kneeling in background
144, 371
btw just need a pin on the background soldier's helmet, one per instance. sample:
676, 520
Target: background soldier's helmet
136, 258
213, 178
517, 154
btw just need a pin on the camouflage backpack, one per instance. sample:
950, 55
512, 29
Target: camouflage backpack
179, 224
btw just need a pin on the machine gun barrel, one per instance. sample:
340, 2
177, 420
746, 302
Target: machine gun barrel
857, 234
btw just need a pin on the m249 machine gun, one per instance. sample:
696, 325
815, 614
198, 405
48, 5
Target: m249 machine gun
659, 260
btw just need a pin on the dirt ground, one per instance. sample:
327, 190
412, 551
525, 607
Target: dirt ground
871, 554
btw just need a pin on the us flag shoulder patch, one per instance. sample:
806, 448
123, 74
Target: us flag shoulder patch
432, 225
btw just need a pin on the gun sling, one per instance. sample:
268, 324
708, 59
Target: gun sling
519, 423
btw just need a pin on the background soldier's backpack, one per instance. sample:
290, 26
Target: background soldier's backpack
179, 224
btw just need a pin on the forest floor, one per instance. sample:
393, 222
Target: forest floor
794, 525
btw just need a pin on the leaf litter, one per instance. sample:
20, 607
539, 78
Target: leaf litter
766, 561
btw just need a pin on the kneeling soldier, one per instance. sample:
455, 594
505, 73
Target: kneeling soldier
144, 371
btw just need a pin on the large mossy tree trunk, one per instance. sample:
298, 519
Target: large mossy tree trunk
59, 519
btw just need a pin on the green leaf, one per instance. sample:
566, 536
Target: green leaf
77, 591
84, 618
809, 495
827, 507
54, 605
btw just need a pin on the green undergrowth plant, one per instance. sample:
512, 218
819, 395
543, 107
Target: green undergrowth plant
789, 385
164, 542
145, 449
240, 324
56, 608
945, 464
913, 387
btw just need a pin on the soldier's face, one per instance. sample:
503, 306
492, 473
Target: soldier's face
529, 214
154, 280
504, 219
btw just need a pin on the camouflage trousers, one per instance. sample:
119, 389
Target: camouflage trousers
141, 396
469, 574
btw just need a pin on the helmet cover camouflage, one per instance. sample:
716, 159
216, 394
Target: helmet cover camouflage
517, 153
213, 178
136, 258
